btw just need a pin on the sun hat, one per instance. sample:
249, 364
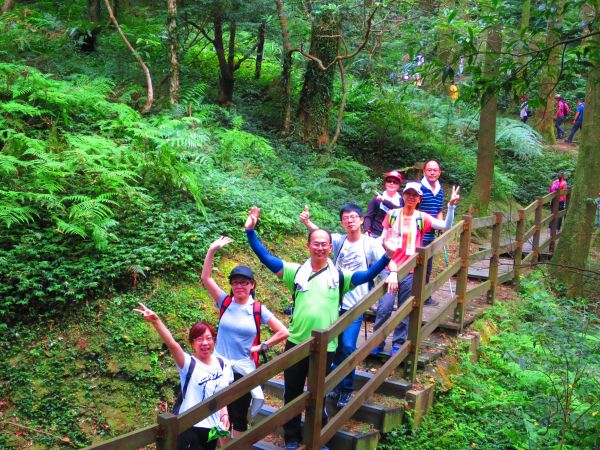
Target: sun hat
413, 185
242, 271
393, 174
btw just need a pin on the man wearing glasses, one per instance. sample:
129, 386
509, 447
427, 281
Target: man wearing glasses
352, 252
432, 203
316, 285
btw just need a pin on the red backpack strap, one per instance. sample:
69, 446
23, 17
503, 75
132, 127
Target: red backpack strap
226, 302
256, 312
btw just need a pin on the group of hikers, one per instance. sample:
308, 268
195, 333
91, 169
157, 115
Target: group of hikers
563, 110
396, 223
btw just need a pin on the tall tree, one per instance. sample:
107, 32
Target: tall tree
260, 46
7, 5
486, 148
93, 10
173, 51
317, 90
149, 89
544, 119
572, 251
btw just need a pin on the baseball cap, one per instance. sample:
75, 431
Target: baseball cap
557, 96
242, 271
414, 186
393, 174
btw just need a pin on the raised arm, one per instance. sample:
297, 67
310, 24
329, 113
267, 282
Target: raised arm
176, 351
364, 276
305, 219
209, 283
447, 224
272, 263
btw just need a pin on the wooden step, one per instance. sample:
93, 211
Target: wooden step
366, 439
384, 417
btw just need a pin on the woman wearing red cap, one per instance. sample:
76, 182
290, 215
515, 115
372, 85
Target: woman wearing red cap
237, 338
382, 203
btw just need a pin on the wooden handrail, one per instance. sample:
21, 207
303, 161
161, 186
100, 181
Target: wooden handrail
164, 432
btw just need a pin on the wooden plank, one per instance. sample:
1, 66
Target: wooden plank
478, 290
132, 440
442, 278
434, 322
530, 208
483, 222
438, 244
480, 255
506, 277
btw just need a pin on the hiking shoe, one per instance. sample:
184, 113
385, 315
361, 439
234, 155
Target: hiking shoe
292, 446
333, 395
395, 349
344, 399
431, 302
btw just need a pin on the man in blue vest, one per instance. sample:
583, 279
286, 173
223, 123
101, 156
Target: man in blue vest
578, 121
432, 203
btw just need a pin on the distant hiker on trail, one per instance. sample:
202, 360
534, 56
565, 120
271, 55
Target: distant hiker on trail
352, 252
461, 67
318, 287
524, 109
453, 92
406, 227
382, 203
562, 111
558, 185
202, 375
578, 120
238, 339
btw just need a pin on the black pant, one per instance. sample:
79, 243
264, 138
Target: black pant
238, 409
195, 438
294, 380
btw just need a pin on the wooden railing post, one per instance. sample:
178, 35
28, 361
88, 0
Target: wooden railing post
554, 222
519, 249
495, 258
463, 273
416, 315
317, 368
538, 229
168, 431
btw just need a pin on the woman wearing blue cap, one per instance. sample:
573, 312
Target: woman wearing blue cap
238, 337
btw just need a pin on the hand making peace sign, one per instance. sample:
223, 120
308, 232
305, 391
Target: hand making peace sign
454, 197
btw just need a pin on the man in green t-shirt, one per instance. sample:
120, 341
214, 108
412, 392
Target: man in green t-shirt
317, 303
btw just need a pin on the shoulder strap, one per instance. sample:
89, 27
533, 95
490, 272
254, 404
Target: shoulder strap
256, 312
188, 376
221, 362
341, 285
336, 252
226, 302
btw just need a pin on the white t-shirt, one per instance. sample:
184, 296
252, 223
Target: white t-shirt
206, 380
354, 257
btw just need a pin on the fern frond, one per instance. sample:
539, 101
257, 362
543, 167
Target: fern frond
69, 228
12, 214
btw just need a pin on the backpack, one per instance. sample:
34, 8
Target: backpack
183, 390
295, 290
256, 313
567, 109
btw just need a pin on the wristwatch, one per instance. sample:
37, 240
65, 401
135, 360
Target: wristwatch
264, 347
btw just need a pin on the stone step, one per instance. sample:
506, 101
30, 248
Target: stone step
364, 438
385, 417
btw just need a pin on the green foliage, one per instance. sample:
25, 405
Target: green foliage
535, 385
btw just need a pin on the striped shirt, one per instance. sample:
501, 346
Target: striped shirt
431, 204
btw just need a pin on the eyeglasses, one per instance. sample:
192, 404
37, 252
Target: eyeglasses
392, 180
351, 217
204, 339
240, 283
319, 244
432, 170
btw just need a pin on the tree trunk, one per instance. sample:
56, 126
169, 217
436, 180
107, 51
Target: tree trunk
486, 148
286, 70
93, 10
226, 65
317, 91
173, 51
571, 255
149, 89
544, 117
8, 5
259, 50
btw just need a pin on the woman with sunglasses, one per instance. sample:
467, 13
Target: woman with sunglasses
382, 203
205, 373
237, 335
